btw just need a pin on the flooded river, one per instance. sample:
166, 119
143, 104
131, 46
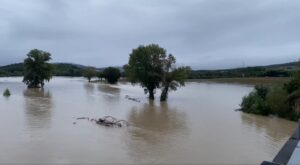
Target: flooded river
198, 125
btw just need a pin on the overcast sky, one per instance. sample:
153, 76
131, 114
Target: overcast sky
205, 34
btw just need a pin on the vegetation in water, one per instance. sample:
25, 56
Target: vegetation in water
111, 74
280, 100
89, 73
153, 68
6, 93
172, 77
37, 70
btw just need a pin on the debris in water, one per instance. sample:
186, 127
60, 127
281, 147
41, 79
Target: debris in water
132, 99
107, 121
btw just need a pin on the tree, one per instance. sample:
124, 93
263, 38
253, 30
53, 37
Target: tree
145, 67
100, 75
89, 73
37, 70
112, 74
173, 77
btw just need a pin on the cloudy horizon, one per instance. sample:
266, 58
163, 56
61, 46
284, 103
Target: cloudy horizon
205, 34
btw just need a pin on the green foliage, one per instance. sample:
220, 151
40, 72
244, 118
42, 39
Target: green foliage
6, 93
293, 84
153, 68
254, 103
146, 67
261, 91
89, 73
100, 75
36, 68
280, 100
276, 99
112, 74
173, 77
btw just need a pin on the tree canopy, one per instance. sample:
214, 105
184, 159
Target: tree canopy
112, 74
37, 70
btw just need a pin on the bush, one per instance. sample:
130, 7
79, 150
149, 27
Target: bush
293, 84
261, 91
6, 93
277, 100
255, 102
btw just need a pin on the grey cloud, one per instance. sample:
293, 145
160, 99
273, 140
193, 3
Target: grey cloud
205, 34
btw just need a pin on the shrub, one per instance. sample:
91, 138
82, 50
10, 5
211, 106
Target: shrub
277, 100
6, 93
255, 103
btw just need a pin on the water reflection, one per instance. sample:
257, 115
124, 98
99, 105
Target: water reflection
110, 93
89, 88
38, 106
154, 130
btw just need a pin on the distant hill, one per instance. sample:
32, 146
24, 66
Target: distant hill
61, 69
75, 70
276, 70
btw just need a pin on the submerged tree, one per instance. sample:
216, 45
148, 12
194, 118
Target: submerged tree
153, 68
89, 73
145, 66
173, 77
37, 70
112, 74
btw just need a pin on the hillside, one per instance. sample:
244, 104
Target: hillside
60, 69
276, 70
74, 70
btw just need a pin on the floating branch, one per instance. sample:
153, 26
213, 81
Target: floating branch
132, 99
107, 121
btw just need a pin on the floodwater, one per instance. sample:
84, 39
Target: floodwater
198, 125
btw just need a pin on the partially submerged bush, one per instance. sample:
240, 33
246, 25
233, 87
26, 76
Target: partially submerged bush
272, 100
6, 93
277, 100
280, 100
255, 103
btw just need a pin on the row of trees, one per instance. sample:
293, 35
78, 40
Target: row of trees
111, 74
149, 65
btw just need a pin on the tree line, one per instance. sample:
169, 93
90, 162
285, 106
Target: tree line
149, 65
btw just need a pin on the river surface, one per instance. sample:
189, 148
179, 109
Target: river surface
198, 125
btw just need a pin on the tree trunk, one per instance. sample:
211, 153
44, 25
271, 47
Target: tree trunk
151, 94
164, 94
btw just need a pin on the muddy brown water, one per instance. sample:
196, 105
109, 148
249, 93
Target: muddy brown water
198, 125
